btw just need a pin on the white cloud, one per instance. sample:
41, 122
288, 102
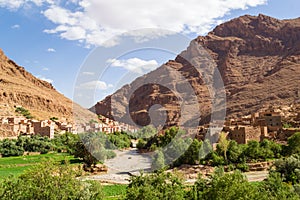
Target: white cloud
51, 50
16, 26
134, 64
109, 18
93, 22
45, 69
88, 73
16, 4
44, 79
98, 85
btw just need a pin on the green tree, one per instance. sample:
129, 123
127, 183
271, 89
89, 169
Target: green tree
191, 155
289, 168
9, 147
224, 187
235, 152
223, 145
155, 186
158, 162
274, 188
253, 151
293, 144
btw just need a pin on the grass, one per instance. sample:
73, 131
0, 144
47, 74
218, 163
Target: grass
112, 192
14, 166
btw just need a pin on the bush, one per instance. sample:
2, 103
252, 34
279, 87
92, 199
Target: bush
110, 154
293, 144
49, 181
156, 186
24, 112
10, 148
141, 144
119, 140
289, 168
243, 167
158, 162
275, 188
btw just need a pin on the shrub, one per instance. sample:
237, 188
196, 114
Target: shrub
10, 148
49, 181
156, 186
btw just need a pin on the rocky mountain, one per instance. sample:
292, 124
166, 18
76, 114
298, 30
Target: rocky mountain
20, 88
258, 58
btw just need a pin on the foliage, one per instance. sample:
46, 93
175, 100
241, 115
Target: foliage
192, 155
293, 144
235, 152
120, 140
287, 125
145, 133
223, 186
24, 112
10, 148
158, 161
141, 143
49, 181
14, 166
289, 168
220, 186
150, 140
275, 188
35, 143
223, 145
53, 119
93, 147
65, 142
156, 186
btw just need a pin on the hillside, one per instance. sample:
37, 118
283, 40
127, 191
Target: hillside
20, 88
258, 58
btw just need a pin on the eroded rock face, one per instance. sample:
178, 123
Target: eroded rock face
19, 87
258, 58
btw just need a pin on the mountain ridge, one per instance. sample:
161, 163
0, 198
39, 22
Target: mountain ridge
20, 88
258, 58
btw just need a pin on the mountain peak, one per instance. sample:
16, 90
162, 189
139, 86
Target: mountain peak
258, 58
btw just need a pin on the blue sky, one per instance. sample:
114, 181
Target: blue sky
52, 39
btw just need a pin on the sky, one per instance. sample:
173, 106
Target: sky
56, 40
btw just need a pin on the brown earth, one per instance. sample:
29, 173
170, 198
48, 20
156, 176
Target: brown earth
20, 88
258, 58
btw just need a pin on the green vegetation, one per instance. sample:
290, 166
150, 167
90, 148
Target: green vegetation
14, 166
50, 181
24, 112
53, 119
228, 152
94, 147
155, 186
111, 192
293, 144
220, 186
50, 176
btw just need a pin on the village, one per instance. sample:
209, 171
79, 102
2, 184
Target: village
270, 123
14, 126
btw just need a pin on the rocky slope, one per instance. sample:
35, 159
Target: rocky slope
20, 88
258, 58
